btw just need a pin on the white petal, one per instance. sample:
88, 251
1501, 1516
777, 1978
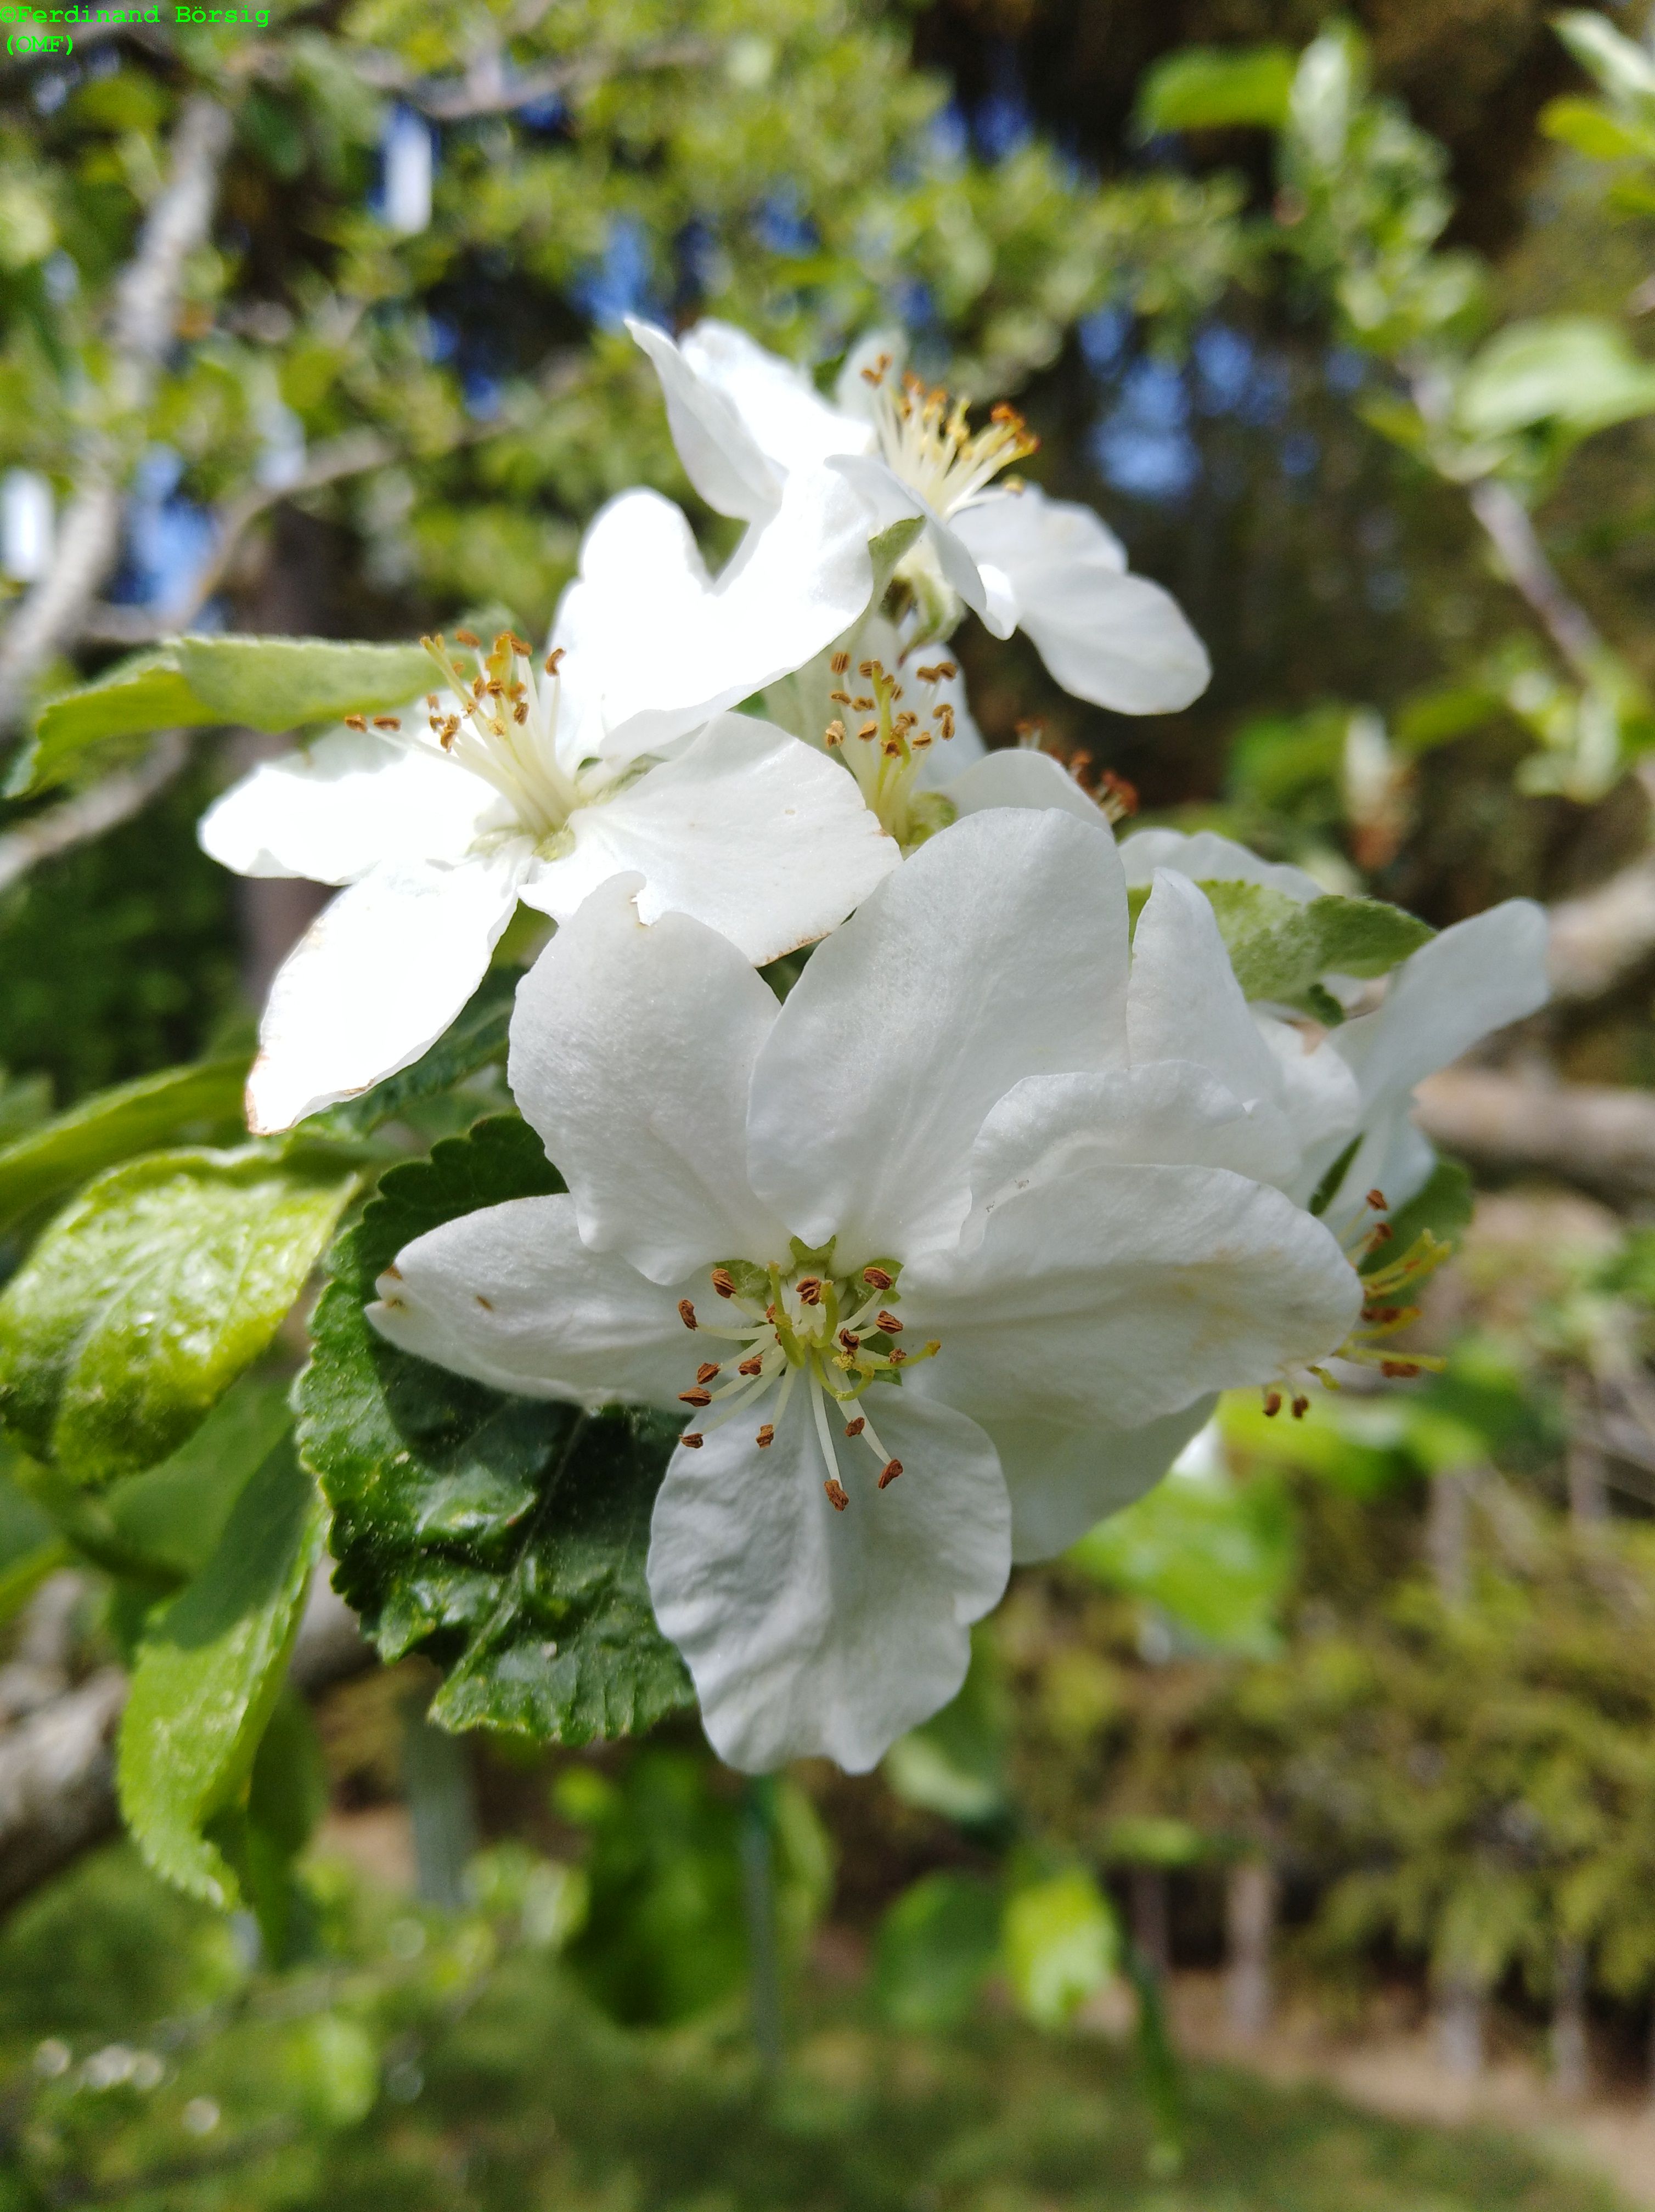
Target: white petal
1476, 977
1315, 1091
758, 836
882, 353
1206, 857
810, 1631
1169, 1113
655, 647
375, 980
1117, 1294
337, 809
1016, 776
997, 951
721, 456
1184, 1001
786, 415
631, 1052
511, 1295
1115, 639
1062, 1481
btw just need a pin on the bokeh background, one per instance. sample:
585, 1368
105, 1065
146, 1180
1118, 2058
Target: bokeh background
1292, 1842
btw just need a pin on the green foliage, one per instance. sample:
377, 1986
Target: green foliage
202, 1100
505, 1536
272, 683
146, 1298
937, 1946
1060, 1945
1281, 950
207, 1675
665, 1935
1576, 371
1213, 88
955, 1762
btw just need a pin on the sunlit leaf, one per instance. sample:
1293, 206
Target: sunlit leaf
1211, 87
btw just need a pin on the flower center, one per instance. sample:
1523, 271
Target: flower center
500, 722
930, 444
889, 743
1385, 1307
804, 1332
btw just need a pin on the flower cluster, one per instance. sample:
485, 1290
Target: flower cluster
946, 1253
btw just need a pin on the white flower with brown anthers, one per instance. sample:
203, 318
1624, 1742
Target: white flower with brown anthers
917, 1333
752, 429
441, 820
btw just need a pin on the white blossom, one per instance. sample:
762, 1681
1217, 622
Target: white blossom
750, 428
943, 1268
516, 782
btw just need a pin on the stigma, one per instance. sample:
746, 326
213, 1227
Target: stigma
809, 1342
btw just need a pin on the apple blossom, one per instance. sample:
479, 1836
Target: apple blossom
922, 1325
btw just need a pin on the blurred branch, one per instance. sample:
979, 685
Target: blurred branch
57, 1767
102, 806
1600, 1136
142, 324
1525, 561
486, 89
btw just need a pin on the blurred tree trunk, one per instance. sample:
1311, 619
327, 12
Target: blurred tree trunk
1459, 2022
1571, 2052
1250, 1898
1146, 1891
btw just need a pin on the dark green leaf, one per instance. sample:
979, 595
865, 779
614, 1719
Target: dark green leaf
503, 1536
207, 1673
203, 1100
150, 1295
1335, 1175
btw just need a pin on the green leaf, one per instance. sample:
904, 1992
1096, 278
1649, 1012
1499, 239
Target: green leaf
478, 1036
31, 1548
1618, 64
271, 684
166, 1521
1592, 129
207, 1673
151, 1293
936, 1947
134, 699
1281, 950
1213, 88
203, 1100
504, 1536
1060, 1943
1576, 370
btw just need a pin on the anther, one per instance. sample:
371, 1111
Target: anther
850, 1343
837, 1497
467, 637
687, 1314
766, 1437
354, 722
723, 1283
1376, 1199
809, 1288
854, 1428
835, 732
519, 713
518, 644
432, 701
690, 1439
1272, 1404
889, 1472
888, 1321
1300, 1407
840, 662
1403, 1369
868, 730
706, 1371
897, 1356
840, 698
554, 658
753, 1366
877, 1279
696, 1397
864, 706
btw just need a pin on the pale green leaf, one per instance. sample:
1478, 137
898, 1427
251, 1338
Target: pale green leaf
1281, 950
1060, 1944
207, 1673
1615, 62
1592, 129
201, 1101
163, 1281
132, 699
1575, 370
1211, 87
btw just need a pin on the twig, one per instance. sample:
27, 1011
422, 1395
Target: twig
141, 322
102, 806
1524, 559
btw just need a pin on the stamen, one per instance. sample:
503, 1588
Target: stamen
766, 1437
837, 1497
878, 1279
687, 1312
706, 1371
889, 1473
854, 1428
888, 1323
723, 1283
696, 1397
694, 1442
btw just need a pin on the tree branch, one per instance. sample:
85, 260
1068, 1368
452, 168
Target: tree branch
141, 321
1524, 559
1599, 1136
487, 88
57, 1767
